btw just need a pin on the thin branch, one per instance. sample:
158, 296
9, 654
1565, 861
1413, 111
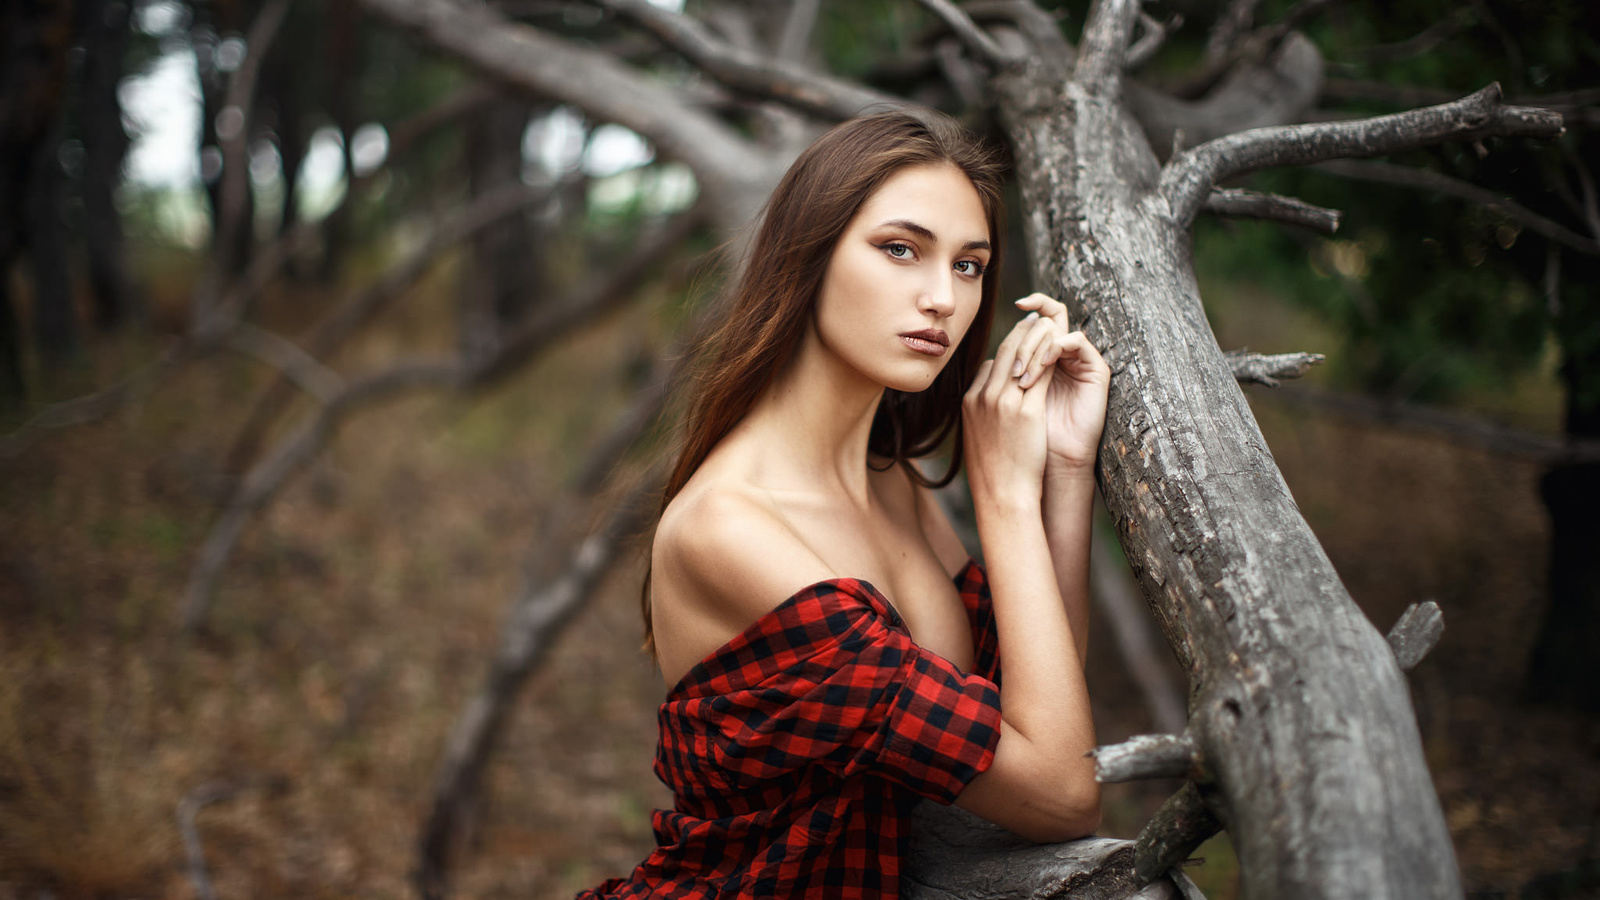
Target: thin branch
233, 134
1273, 208
362, 304
263, 482
1459, 429
1255, 368
976, 39
1415, 633
1150, 43
1226, 31
1183, 823
1590, 206
1104, 46
1251, 49
1418, 44
730, 168
286, 356
748, 71
1188, 178
797, 29
1145, 756
1439, 183
547, 326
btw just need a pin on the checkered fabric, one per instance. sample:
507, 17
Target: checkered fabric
797, 751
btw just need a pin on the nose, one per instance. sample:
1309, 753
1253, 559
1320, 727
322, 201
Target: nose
939, 295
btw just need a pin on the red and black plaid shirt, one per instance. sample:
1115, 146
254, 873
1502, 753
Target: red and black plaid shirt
798, 749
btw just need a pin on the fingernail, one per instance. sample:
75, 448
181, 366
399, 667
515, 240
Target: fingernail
1026, 380
1016, 368
1031, 316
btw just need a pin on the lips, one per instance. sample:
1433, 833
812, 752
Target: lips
929, 341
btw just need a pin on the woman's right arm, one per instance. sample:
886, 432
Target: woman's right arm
1041, 785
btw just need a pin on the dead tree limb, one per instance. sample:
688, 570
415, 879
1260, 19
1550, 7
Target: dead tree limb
1266, 370
747, 71
548, 324
1147, 756
1188, 179
969, 33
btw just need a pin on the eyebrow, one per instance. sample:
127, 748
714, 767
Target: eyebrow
923, 231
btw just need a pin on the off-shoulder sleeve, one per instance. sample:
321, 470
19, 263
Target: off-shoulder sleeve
829, 681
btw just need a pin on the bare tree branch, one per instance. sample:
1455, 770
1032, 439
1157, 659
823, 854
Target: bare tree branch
1418, 44
797, 28
1440, 183
286, 356
1188, 178
188, 808
1266, 370
1183, 823
1103, 48
233, 134
1150, 43
361, 305
557, 585
1455, 427
748, 71
1226, 31
734, 174
548, 325
1279, 90
1146, 756
268, 476
976, 39
1273, 208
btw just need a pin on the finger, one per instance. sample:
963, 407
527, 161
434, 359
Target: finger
1080, 358
980, 379
1047, 306
1006, 355
1043, 358
1037, 335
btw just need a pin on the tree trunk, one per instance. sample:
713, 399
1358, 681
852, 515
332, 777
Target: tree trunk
1300, 716
105, 143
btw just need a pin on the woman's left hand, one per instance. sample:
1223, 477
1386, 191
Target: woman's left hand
1075, 408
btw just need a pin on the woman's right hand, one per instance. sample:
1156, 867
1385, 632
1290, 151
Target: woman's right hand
1004, 414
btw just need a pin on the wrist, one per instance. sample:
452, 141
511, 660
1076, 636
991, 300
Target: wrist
1062, 473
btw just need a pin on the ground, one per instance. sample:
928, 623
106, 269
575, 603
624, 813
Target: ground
358, 615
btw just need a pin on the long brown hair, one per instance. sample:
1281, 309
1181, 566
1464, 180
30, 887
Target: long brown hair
773, 302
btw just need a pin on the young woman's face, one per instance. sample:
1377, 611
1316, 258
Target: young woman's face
905, 280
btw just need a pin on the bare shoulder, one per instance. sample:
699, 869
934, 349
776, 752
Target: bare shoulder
722, 558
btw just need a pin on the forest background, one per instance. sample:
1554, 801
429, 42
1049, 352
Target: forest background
267, 719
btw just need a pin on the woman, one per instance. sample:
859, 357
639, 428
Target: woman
834, 653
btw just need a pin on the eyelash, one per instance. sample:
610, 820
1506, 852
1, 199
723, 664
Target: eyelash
978, 268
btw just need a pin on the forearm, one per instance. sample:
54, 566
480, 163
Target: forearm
1043, 694
1068, 510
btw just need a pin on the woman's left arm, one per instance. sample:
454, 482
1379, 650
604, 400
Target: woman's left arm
1076, 415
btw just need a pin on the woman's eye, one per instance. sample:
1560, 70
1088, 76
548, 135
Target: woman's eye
972, 267
898, 251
